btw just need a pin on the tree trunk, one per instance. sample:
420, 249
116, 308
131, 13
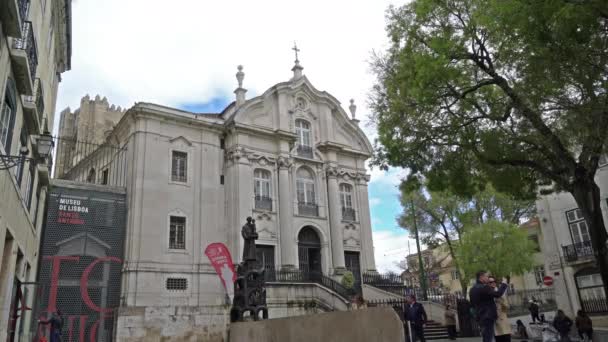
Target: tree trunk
587, 196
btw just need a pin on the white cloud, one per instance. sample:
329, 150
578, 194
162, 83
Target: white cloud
146, 50
391, 178
390, 247
374, 201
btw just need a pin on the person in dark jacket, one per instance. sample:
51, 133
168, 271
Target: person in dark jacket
56, 322
562, 324
482, 298
522, 333
584, 326
534, 309
416, 315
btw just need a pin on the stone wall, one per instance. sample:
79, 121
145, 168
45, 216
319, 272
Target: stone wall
373, 324
185, 323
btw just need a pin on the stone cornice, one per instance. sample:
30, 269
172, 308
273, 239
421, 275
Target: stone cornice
276, 133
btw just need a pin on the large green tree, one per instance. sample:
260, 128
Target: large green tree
443, 217
499, 247
508, 91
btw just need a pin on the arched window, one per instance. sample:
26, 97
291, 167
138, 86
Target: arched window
346, 199
261, 189
304, 138
91, 176
305, 189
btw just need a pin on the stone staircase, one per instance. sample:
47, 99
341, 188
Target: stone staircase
435, 331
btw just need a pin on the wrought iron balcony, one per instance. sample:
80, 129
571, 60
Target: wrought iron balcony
582, 251
34, 106
348, 214
27, 43
263, 202
308, 209
25, 59
304, 151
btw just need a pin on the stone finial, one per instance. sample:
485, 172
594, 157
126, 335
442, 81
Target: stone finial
353, 108
240, 91
240, 75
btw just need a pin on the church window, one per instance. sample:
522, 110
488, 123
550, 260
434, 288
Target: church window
177, 232
261, 189
179, 166
304, 139
177, 284
346, 199
305, 189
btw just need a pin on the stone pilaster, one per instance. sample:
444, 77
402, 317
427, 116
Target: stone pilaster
335, 220
287, 239
367, 248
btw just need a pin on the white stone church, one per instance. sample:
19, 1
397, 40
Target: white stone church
292, 158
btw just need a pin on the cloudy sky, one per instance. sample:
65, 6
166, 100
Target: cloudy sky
184, 54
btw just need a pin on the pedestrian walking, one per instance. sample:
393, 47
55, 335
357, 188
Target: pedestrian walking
502, 327
450, 322
522, 333
584, 326
56, 322
534, 310
482, 298
562, 324
417, 317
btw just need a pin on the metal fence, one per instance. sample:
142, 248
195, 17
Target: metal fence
518, 299
274, 275
86, 162
594, 306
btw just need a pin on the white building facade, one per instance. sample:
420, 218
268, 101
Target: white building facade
569, 257
291, 158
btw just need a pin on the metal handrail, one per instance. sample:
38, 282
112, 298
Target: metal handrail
307, 276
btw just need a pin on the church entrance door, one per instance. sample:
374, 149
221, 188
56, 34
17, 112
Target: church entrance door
309, 252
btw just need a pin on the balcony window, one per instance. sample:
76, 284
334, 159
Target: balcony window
261, 189
304, 139
7, 116
305, 188
346, 199
578, 226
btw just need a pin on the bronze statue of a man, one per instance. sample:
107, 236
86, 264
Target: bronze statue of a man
250, 235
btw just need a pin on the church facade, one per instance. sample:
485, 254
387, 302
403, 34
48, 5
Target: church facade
291, 158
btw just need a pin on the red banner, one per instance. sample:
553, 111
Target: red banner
220, 258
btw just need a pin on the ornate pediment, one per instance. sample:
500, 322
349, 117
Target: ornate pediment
180, 140
351, 241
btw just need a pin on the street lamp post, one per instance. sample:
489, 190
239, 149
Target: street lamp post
44, 145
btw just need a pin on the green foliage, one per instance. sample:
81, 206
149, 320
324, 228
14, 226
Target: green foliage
511, 92
499, 247
348, 280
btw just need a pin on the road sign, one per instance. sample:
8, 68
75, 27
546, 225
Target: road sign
548, 281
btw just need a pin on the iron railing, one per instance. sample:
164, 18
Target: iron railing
28, 43
388, 282
578, 251
24, 6
308, 209
275, 275
304, 151
86, 162
348, 214
595, 305
263, 202
37, 99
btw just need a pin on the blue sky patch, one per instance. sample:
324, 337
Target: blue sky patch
216, 105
